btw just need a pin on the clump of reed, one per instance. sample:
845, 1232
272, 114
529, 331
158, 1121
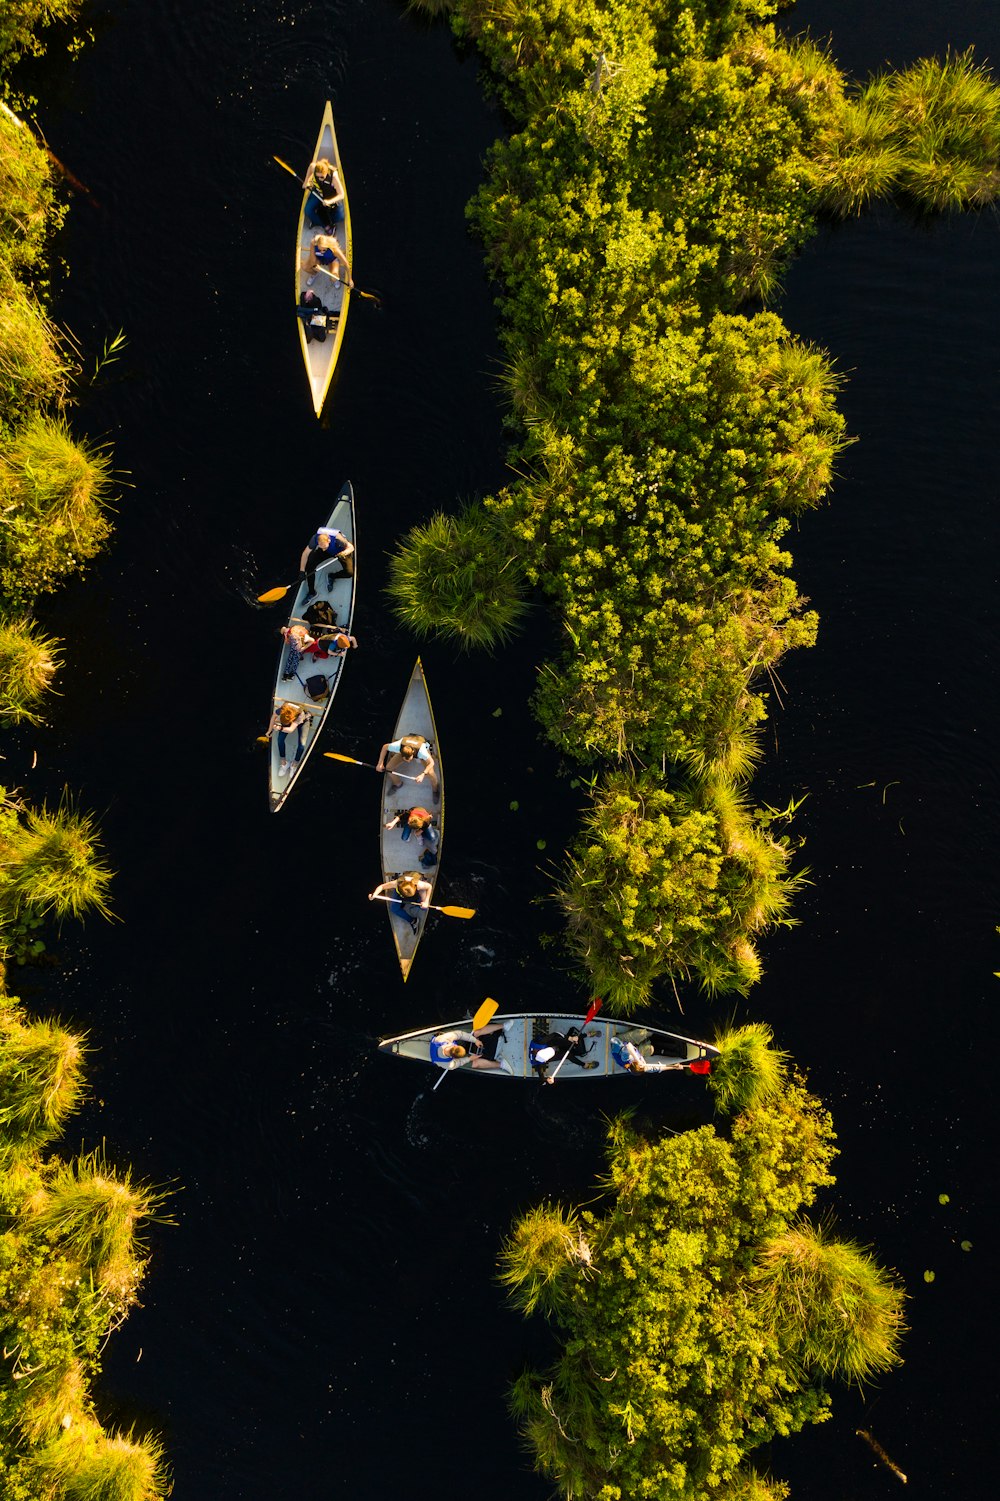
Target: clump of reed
29, 660
41, 1080
28, 210
51, 862
96, 1218
837, 1311
35, 366
538, 1256
455, 576
750, 1070
54, 492
86, 1464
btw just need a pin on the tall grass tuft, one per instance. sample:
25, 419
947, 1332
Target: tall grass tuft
97, 1219
41, 1080
54, 493
34, 367
55, 1401
750, 1071
536, 1260
28, 208
51, 862
836, 1310
86, 1464
29, 660
456, 576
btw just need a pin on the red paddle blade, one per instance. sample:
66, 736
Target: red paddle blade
595, 1006
701, 1066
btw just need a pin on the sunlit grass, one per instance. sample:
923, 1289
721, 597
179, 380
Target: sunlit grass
29, 660
537, 1257
41, 1080
52, 863
34, 367
455, 576
837, 1310
750, 1070
86, 1464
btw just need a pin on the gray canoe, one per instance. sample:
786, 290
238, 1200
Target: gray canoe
658, 1047
340, 591
416, 717
321, 359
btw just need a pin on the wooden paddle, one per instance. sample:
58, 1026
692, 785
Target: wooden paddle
481, 1018
448, 911
595, 1006
351, 286
271, 596
353, 761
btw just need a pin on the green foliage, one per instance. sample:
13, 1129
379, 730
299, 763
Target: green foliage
41, 1068
34, 367
29, 660
672, 883
679, 1355
836, 1311
96, 1217
455, 575
22, 20
71, 1257
50, 862
535, 1261
87, 1464
28, 209
53, 490
750, 1070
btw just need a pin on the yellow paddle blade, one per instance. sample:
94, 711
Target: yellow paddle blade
273, 595
458, 911
263, 740
484, 1014
285, 165
332, 756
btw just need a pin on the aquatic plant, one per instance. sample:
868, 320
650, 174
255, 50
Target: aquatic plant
29, 210
50, 861
34, 366
834, 1308
679, 1355
87, 1464
750, 1070
29, 660
545, 1243
54, 490
41, 1080
21, 21
96, 1218
455, 576
672, 883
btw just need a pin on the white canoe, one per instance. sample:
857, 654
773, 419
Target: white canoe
331, 585
321, 359
416, 717
666, 1049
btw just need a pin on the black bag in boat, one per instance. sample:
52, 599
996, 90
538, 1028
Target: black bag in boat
317, 687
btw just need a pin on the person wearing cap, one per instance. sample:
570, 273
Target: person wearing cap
458, 1049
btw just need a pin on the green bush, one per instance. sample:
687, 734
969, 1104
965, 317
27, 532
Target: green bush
34, 367
51, 862
457, 577
22, 20
28, 208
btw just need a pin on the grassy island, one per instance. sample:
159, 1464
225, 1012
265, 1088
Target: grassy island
54, 488
701, 1312
664, 162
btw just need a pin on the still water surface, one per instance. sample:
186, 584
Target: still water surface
322, 1319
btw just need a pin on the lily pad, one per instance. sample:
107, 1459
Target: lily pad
497, 713
944, 1198
514, 805
928, 1276
540, 844
966, 1245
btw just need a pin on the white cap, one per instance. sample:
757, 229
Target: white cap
545, 1055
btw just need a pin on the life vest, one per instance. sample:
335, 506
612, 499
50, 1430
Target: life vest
412, 742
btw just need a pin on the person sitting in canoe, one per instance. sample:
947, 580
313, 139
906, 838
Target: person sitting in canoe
551, 1047
298, 641
286, 719
317, 318
420, 822
407, 892
465, 1049
409, 749
326, 546
326, 255
325, 204
627, 1055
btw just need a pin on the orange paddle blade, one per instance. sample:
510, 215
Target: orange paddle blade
484, 1014
273, 595
458, 911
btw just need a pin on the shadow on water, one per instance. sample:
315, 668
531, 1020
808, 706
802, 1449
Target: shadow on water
325, 1312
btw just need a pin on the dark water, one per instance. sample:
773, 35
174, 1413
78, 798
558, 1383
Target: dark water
322, 1320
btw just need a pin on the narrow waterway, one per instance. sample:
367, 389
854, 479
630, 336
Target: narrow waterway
323, 1319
